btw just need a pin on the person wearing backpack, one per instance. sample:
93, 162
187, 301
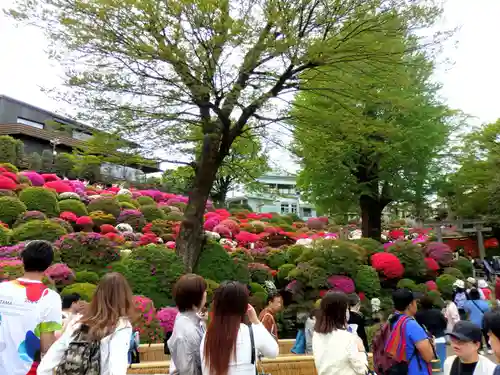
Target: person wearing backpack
402, 346
476, 308
97, 342
465, 341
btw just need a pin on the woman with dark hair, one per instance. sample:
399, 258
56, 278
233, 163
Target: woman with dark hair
336, 350
230, 346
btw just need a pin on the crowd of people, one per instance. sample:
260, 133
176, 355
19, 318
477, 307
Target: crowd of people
42, 333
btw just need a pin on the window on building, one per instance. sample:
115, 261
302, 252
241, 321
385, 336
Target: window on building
33, 124
286, 189
285, 208
294, 208
307, 212
81, 136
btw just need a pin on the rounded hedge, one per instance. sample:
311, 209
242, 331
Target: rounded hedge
87, 277
5, 235
151, 212
87, 251
367, 281
151, 271
40, 199
145, 200
464, 265
284, 270
38, 230
455, 272
216, 264
406, 284
108, 205
100, 218
445, 285
28, 216
10, 209
411, 257
85, 290
276, 258
126, 206
73, 205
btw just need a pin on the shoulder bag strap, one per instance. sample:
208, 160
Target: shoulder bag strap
475, 304
252, 342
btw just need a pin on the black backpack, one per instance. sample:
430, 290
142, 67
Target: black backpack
82, 357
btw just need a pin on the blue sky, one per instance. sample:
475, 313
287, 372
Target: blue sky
470, 82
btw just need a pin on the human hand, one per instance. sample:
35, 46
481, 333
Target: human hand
252, 315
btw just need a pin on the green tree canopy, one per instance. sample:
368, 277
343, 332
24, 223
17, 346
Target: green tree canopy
162, 68
374, 150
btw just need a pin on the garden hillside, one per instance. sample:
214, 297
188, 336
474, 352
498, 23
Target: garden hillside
97, 230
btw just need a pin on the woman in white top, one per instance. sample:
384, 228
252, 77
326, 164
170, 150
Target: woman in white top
107, 320
337, 351
226, 348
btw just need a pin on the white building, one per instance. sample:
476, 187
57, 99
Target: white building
279, 195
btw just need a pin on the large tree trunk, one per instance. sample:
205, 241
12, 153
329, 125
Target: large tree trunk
371, 217
189, 242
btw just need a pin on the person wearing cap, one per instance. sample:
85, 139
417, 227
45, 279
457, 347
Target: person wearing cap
476, 308
473, 284
465, 342
460, 297
419, 350
484, 289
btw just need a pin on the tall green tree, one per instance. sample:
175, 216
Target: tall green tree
162, 68
376, 150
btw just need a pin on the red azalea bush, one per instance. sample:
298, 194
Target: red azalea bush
108, 228
342, 283
397, 234
68, 216
432, 265
388, 265
440, 252
431, 285
7, 184
211, 222
232, 225
59, 186
223, 231
147, 326
10, 175
315, 223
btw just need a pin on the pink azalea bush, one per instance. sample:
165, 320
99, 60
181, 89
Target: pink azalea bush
342, 283
60, 273
166, 317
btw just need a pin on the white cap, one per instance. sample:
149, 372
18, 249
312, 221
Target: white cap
482, 283
459, 284
471, 280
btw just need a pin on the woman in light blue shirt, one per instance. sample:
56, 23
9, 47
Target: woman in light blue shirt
476, 308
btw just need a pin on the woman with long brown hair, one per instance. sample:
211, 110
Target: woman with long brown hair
230, 346
106, 323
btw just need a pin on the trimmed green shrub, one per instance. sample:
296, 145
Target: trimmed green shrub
99, 218
126, 206
8, 154
406, 284
276, 258
35, 161
151, 212
5, 235
464, 265
284, 270
435, 296
152, 271
7, 193
367, 281
105, 204
85, 290
454, 272
87, 251
294, 252
180, 205
445, 285
370, 245
73, 205
28, 216
87, 277
163, 229
124, 198
145, 200
38, 230
411, 257
10, 209
10, 167
216, 264
63, 223
174, 216
40, 199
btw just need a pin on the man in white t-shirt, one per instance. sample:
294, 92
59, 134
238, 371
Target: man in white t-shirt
30, 313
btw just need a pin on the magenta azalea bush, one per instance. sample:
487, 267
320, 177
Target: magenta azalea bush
166, 317
60, 274
440, 252
342, 283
